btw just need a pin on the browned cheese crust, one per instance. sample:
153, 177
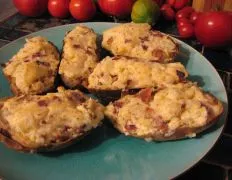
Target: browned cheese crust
34, 68
138, 40
79, 56
175, 112
42, 123
120, 72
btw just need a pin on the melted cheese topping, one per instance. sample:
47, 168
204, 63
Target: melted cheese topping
138, 40
181, 106
36, 121
122, 72
79, 56
33, 69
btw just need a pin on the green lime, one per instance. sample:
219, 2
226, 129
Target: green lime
145, 11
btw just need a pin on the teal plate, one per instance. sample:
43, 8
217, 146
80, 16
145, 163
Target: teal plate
105, 154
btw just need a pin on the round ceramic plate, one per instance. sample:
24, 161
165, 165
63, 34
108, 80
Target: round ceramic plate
106, 154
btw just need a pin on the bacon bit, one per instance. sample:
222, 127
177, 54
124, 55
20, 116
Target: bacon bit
9, 77
41, 80
128, 40
3, 65
158, 54
76, 46
51, 116
89, 48
27, 60
38, 54
145, 95
99, 83
149, 110
56, 98
144, 47
110, 40
50, 73
128, 82
118, 104
71, 38
43, 63
43, 122
183, 106
150, 113
114, 77
90, 69
116, 58
81, 129
1, 105
115, 111
89, 52
101, 74
76, 97
160, 123
42, 103
143, 39
130, 127
181, 75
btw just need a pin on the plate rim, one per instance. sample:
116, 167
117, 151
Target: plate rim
225, 116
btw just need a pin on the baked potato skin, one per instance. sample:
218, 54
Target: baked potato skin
5, 138
90, 111
138, 40
107, 82
123, 72
178, 135
159, 128
78, 58
39, 85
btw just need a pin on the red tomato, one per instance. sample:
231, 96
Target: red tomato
118, 8
214, 29
167, 12
170, 2
186, 31
184, 13
58, 8
183, 21
31, 8
194, 17
82, 10
179, 4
